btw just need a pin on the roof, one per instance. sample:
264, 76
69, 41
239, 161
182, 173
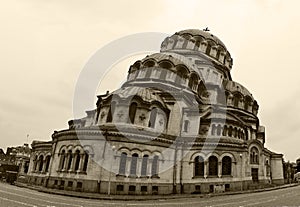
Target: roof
146, 94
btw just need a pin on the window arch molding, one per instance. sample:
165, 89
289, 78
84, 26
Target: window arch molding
63, 147
149, 63
80, 148
195, 154
125, 150
135, 151
254, 154
146, 152
233, 159
70, 147
157, 153
88, 149
166, 64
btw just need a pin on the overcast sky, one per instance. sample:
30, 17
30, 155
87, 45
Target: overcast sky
45, 44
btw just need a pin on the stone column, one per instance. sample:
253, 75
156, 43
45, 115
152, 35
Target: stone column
128, 165
81, 163
149, 167
44, 165
74, 162
64, 166
138, 167
219, 169
205, 169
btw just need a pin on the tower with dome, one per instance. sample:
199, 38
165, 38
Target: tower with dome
179, 124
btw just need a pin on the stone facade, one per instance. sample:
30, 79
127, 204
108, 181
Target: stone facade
179, 124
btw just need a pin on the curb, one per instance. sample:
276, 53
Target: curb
146, 197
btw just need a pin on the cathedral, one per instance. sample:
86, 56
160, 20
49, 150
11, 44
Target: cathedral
179, 124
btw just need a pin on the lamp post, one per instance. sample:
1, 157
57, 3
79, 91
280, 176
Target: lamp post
241, 156
111, 163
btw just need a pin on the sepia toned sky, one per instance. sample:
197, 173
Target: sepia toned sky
45, 44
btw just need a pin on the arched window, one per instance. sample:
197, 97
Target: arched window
193, 82
48, 158
62, 160
148, 64
254, 158
181, 75
35, 163
152, 119
199, 166
154, 170
213, 129
230, 131
77, 160
132, 112
226, 165
208, 48
110, 114
219, 129
202, 89
186, 126
224, 133
86, 161
26, 166
41, 162
122, 166
144, 165
133, 164
213, 165
236, 100
70, 159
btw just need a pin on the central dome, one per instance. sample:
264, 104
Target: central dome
197, 41
197, 32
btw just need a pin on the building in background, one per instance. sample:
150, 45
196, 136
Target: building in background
179, 124
14, 162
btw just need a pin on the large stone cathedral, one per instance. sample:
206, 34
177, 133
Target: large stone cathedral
179, 124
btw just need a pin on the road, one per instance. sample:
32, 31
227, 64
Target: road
12, 196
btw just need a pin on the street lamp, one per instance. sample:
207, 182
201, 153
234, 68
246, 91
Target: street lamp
241, 156
111, 163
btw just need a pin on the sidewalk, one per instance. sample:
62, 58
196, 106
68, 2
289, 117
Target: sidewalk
142, 197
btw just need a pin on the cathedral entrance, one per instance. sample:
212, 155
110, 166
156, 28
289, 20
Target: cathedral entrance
254, 173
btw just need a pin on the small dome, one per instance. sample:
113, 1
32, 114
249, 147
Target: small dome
233, 86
